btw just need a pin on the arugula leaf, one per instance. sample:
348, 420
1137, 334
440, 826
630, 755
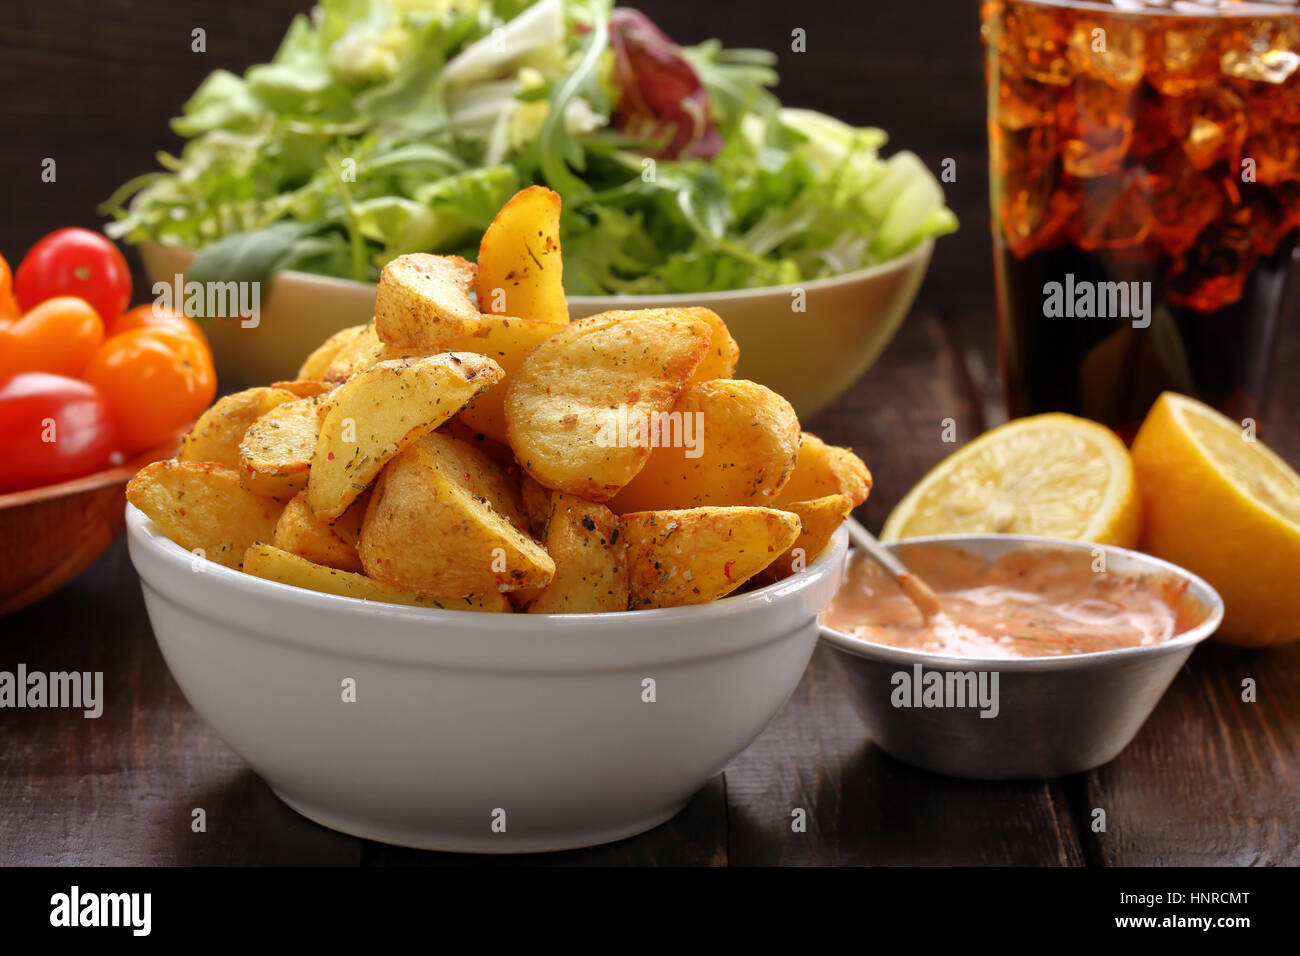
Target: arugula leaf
247, 256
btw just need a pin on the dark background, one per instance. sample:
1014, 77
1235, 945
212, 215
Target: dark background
93, 83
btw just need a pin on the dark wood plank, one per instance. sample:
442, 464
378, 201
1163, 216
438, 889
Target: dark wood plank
695, 837
894, 418
1210, 780
865, 808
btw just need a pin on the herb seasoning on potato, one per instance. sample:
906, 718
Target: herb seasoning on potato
473, 449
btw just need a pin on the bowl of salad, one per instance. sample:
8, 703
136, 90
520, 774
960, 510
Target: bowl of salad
383, 127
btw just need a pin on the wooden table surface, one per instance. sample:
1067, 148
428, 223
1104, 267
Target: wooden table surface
1209, 779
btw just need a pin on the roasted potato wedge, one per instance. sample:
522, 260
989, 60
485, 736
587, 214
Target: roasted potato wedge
363, 352
308, 535
590, 554
382, 409
519, 267
725, 442
484, 475
819, 519
275, 564
506, 341
217, 433
276, 451
822, 470
698, 555
318, 363
203, 507
724, 352
439, 522
423, 299
499, 452
564, 403
537, 505
303, 389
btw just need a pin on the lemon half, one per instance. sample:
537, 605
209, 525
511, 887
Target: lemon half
1054, 475
1221, 504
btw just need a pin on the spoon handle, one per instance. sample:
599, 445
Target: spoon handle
914, 586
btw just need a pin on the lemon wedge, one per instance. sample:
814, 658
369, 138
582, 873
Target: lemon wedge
1054, 475
1218, 502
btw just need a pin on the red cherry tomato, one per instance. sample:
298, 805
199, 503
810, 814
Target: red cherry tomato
75, 262
52, 429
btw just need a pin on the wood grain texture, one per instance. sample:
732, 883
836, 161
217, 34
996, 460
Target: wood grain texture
48, 543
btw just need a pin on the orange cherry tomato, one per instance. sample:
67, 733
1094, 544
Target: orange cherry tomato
152, 316
157, 379
60, 335
8, 304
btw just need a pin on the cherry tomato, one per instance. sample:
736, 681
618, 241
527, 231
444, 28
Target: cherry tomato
146, 316
60, 335
75, 262
157, 380
8, 304
52, 429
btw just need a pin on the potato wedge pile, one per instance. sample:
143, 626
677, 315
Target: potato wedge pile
472, 448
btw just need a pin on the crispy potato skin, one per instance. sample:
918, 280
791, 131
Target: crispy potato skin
697, 555
424, 298
442, 521
744, 440
506, 341
520, 270
371, 417
203, 507
217, 433
561, 403
275, 564
276, 451
537, 505
724, 352
333, 544
823, 470
363, 351
819, 519
590, 554
303, 388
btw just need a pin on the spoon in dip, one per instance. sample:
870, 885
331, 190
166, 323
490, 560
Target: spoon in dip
912, 585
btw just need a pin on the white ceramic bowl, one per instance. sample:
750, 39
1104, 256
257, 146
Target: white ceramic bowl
462, 716
810, 357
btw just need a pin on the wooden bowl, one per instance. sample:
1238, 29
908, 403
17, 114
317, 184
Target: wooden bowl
51, 534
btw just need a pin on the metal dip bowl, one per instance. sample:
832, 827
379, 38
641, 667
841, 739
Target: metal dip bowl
1049, 716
